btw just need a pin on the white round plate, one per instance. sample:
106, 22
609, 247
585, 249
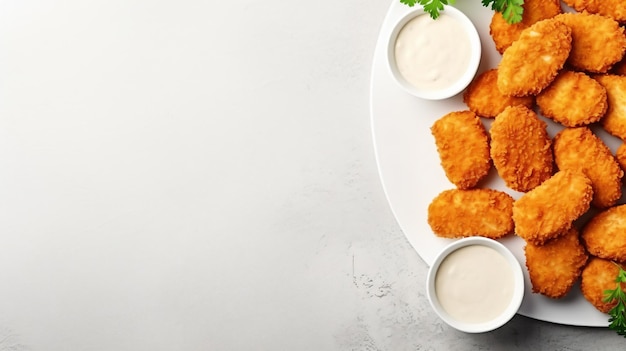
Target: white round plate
412, 176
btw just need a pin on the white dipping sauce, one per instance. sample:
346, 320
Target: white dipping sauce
474, 284
432, 54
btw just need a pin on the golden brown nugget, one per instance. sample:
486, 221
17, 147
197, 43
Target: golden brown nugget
477, 212
532, 62
483, 97
615, 9
520, 148
605, 234
573, 99
598, 276
555, 266
547, 211
614, 120
578, 149
504, 34
598, 42
463, 146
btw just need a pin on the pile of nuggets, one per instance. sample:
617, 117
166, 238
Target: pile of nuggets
569, 67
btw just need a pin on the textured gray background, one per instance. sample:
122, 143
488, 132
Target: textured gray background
301, 251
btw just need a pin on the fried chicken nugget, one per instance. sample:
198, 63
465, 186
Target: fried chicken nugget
598, 42
520, 148
605, 234
463, 146
532, 62
504, 34
477, 212
597, 276
483, 97
573, 99
614, 120
615, 9
555, 266
539, 218
579, 149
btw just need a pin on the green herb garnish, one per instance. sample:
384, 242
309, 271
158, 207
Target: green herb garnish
511, 10
432, 7
617, 315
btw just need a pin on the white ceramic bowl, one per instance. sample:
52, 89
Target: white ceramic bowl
509, 311
455, 87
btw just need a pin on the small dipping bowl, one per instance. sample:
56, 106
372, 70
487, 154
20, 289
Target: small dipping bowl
456, 293
440, 64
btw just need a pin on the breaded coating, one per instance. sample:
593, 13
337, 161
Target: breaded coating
598, 42
614, 120
620, 156
578, 149
504, 34
597, 276
477, 212
573, 99
539, 217
483, 97
615, 9
520, 148
532, 62
605, 234
463, 146
555, 266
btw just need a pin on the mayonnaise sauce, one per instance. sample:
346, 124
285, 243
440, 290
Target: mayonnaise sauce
474, 284
432, 54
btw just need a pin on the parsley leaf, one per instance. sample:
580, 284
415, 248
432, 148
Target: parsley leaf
511, 10
432, 7
411, 3
617, 315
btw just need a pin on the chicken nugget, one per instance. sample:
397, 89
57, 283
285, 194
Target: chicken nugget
533, 61
605, 234
598, 42
483, 97
555, 266
504, 33
580, 150
463, 146
573, 99
597, 277
477, 212
520, 148
614, 120
615, 9
539, 218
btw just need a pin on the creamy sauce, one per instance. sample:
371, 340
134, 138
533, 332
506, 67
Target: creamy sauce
474, 284
432, 54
